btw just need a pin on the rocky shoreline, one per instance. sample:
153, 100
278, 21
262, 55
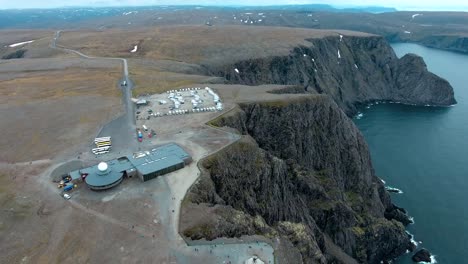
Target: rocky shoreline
302, 172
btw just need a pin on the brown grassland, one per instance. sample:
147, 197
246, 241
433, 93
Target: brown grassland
43, 112
193, 44
150, 79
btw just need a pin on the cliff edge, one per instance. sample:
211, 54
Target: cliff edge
302, 173
352, 70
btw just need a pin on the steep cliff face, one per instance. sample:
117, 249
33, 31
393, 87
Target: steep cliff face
452, 42
304, 169
351, 70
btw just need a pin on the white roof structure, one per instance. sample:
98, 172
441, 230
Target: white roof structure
254, 260
102, 166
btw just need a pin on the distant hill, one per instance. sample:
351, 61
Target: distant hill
325, 7
66, 17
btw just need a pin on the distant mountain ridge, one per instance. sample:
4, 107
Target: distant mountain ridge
57, 17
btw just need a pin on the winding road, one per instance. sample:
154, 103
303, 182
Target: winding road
122, 130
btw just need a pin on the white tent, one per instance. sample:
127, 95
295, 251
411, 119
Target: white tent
254, 260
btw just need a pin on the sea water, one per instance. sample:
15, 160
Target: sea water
424, 152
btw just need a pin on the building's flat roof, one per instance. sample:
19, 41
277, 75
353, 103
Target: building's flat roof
145, 162
152, 165
158, 158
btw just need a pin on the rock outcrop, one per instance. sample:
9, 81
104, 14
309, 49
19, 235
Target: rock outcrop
422, 255
352, 70
304, 172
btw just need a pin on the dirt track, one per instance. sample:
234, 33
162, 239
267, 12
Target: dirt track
132, 221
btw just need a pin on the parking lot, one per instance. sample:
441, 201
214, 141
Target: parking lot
179, 102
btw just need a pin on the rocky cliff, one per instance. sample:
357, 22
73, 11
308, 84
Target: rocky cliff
303, 173
446, 42
350, 69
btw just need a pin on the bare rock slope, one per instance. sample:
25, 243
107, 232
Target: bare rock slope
351, 69
302, 172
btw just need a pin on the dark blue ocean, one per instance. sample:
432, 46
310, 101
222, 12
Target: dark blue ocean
424, 152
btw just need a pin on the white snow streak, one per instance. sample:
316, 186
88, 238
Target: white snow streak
20, 44
129, 13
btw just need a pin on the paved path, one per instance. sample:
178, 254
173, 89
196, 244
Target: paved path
122, 129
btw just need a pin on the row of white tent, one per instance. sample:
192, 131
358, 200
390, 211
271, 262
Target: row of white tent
184, 90
156, 114
196, 110
216, 98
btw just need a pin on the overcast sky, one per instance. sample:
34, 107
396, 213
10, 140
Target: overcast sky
399, 4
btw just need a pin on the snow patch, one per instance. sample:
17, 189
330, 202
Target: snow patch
134, 49
20, 43
129, 13
237, 70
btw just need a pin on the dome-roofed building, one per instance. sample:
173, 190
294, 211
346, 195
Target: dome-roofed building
107, 175
146, 165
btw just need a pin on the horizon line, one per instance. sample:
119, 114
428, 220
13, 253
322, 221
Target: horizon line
342, 7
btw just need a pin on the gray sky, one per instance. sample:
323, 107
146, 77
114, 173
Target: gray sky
399, 4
